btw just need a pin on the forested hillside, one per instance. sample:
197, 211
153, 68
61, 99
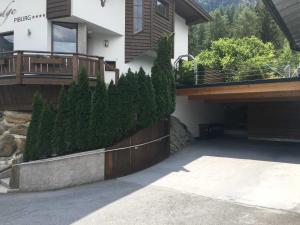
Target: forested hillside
214, 4
243, 40
236, 22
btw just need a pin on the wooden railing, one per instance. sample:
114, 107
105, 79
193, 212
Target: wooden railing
59, 66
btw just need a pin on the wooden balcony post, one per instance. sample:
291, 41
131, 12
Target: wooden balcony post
117, 75
102, 69
75, 69
19, 67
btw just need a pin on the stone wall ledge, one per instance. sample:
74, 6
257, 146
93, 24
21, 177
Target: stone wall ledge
59, 172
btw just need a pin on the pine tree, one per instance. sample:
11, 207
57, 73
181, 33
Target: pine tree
71, 119
125, 111
58, 142
31, 152
129, 96
146, 101
163, 78
99, 114
114, 132
268, 28
83, 111
45, 132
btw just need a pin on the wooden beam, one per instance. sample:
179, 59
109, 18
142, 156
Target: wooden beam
249, 96
280, 87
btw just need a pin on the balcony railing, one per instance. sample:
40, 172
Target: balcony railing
37, 67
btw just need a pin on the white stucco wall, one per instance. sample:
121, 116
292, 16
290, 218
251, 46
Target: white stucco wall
24, 21
111, 16
193, 113
181, 39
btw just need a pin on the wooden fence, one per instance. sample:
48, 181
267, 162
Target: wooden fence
130, 160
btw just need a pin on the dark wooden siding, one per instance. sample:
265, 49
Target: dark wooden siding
154, 27
58, 8
161, 25
19, 97
274, 120
136, 44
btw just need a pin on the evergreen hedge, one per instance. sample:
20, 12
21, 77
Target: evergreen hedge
58, 142
83, 110
114, 111
31, 152
71, 121
163, 78
146, 113
84, 121
45, 132
128, 92
99, 115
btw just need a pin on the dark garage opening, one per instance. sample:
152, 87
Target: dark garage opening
273, 121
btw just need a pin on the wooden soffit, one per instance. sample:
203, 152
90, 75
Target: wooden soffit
192, 11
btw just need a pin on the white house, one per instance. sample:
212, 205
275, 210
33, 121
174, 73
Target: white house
124, 32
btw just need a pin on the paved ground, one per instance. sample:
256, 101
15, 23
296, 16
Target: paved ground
220, 182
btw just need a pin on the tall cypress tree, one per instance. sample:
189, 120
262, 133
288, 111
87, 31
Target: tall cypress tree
163, 78
71, 119
99, 113
58, 142
83, 111
146, 101
31, 152
114, 132
45, 132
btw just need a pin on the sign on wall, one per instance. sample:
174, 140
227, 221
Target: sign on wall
7, 12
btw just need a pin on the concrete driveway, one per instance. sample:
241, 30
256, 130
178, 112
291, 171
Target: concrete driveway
218, 182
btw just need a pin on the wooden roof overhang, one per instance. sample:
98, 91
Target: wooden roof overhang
287, 15
192, 11
280, 90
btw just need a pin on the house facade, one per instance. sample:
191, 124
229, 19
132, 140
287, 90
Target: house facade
124, 32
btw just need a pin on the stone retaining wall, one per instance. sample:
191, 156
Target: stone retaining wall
60, 172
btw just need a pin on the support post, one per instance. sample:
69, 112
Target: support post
117, 75
19, 67
102, 69
75, 69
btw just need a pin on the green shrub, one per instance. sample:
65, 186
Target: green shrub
163, 78
99, 116
128, 87
114, 132
83, 111
146, 101
58, 142
71, 120
31, 150
45, 132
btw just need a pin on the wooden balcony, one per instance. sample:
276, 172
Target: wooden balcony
22, 74
49, 68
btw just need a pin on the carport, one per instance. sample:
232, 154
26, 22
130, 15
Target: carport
260, 109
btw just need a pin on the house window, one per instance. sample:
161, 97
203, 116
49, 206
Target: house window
137, 16
64, 37
6, 42
162, 8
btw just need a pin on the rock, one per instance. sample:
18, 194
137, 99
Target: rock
2, 129
21, 142
17, 117
17, 159
180, 135
8, 145
18, 130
